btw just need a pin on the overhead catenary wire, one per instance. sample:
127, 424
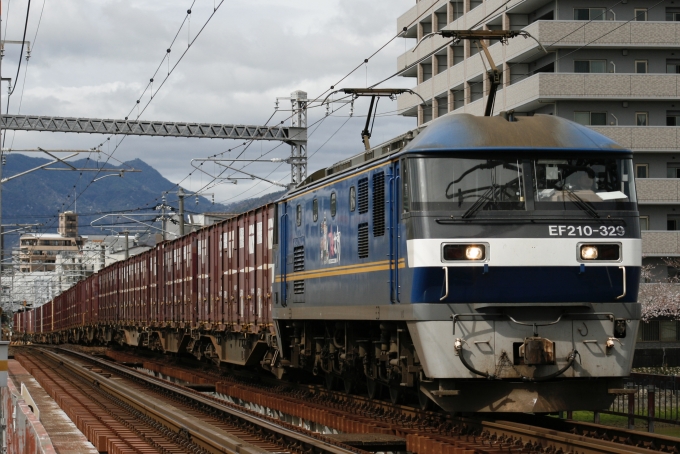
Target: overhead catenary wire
23, 85
21, 54
332, 87
152, 96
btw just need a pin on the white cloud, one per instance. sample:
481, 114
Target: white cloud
92, 58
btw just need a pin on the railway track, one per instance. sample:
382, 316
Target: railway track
425, 432
124, 411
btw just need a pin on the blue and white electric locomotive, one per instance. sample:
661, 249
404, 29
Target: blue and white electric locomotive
483, 263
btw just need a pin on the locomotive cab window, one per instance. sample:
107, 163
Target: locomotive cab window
333, 204
315, 210
461, 183
298, 215
467, 186
604, 182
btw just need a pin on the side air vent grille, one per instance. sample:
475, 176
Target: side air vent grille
379, 204
299, 258
298, 287
363, 240
363, 195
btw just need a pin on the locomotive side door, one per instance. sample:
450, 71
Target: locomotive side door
394, 230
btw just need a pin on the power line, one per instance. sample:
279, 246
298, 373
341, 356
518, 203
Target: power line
21, 54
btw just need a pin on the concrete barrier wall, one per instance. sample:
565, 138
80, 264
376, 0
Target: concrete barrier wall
24, 433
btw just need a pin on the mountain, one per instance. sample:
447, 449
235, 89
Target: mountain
38, 197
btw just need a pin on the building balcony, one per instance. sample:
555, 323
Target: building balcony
552, 34
661, 243
658, 191
643, 138
539, 89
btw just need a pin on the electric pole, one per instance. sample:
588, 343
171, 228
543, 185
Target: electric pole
180, 195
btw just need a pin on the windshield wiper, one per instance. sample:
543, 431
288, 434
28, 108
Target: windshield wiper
579, 202
481, 202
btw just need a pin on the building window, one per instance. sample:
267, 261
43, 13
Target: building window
673, 118
442, 63
590, 66
673, 170
458, 54
641, 66
442, 106
668, 330
641, 118
591, 118
644, 222
315, 210
441, 20
673, 14
426, 71
641, 170
672, 222
427, 113
590, 13
649, 331
640, 14
673, 66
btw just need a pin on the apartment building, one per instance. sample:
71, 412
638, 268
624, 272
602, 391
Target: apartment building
42, 251
612, 65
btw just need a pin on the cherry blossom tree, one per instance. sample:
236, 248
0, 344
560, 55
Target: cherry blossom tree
660, 298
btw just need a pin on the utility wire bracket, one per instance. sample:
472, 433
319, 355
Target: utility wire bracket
481, 36
373, 93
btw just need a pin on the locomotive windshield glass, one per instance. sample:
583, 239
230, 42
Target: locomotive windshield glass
466, 184
505, 183
605, 182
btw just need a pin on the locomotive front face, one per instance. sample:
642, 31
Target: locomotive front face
532, 263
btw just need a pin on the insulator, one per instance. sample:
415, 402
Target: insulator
196, 200
4, 159
351, 108
213, 198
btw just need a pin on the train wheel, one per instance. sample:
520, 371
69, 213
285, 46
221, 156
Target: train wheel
348, 384
331, 382
374, 388
395, 394
424, 402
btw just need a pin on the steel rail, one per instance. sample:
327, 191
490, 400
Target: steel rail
485, 431
314, 443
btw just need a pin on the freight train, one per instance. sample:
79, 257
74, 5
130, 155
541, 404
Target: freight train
488, 264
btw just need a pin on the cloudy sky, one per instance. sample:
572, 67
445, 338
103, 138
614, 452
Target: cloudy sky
93, 58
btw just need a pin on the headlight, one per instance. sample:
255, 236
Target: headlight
589, 252
457, 252
600, 252
474, 252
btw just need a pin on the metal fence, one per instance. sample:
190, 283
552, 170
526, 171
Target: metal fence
649, 397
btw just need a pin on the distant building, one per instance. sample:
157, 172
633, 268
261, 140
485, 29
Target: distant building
68, 224
38, 252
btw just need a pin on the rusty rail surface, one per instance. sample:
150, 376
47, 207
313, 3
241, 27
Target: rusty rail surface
290, 438
185, 419
424, 432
